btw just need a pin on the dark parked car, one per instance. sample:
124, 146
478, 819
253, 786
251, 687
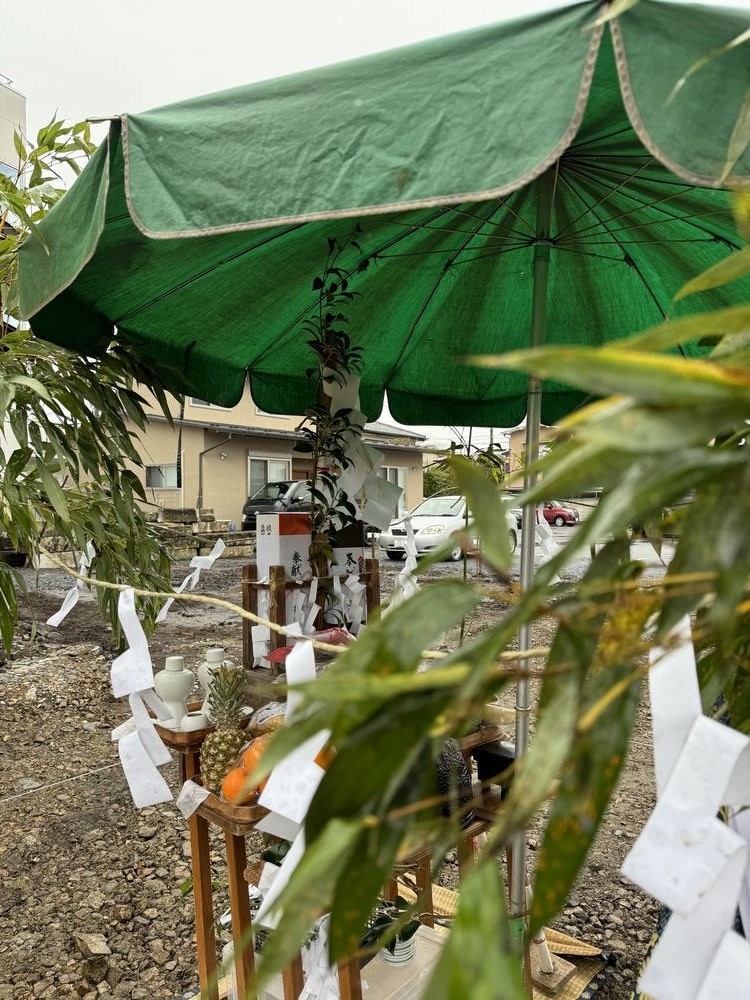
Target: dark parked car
555, 513
293, 495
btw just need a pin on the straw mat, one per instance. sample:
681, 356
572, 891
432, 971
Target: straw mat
592, 964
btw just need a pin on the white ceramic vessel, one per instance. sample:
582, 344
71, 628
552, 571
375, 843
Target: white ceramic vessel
173, 684
214, 658
193, 721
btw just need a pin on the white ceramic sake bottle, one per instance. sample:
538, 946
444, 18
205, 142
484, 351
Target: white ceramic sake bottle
173, 684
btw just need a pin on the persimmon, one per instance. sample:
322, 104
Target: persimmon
324, 757
236, 789
252, 754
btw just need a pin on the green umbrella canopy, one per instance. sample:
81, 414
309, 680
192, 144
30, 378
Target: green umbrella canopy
197, 229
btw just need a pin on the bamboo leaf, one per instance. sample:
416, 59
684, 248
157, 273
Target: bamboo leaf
308, 895
469, 965
740, 137
650, 377
613, 10
704, 60
737, 265
487, 509
735, 319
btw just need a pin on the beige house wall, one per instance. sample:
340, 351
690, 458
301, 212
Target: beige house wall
517, 446
225, 466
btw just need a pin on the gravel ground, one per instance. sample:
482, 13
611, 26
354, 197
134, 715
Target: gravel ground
93, 898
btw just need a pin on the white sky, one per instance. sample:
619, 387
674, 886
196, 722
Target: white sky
98, 58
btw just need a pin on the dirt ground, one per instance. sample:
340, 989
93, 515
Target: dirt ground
77, 858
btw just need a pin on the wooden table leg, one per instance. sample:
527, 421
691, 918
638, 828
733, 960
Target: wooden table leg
239, 902
423, 878
350, 981
204, 906
293, 979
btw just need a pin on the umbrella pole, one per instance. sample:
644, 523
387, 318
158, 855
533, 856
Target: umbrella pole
545, 194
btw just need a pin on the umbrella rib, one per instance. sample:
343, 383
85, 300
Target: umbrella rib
600, 138
638, 207
374, 255
629, 260
669, 217
607, 195
455, 262
202, 274
428, 299
505, 229
411, 226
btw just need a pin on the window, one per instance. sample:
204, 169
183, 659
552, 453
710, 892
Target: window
161, 477
396, 476
194, 401
267, 470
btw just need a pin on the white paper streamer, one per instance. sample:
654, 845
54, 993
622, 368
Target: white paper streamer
71, 598
131, 671
139, 745
405, 584
198, 564
268, 916
293, 782
190, 797
147, 786
685, 856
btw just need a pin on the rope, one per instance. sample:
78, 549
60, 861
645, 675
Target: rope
56, 784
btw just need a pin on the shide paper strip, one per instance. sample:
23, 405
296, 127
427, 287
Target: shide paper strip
190, 797
71, 598
138, 743
198, 564
685, 856
131, 671
269, 916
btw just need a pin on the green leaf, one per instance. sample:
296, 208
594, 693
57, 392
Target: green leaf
377, 759
652, 378
704, 60
584, 793
54, 492
308, 895
740, 137
725, 550
487, 509
479, 960
735, 319
8, 606
737, 265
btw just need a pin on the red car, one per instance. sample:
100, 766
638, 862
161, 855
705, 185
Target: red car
555, 513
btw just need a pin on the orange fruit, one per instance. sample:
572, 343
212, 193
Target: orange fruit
236, 789
324, 757
252, 754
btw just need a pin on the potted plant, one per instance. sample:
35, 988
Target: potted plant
401, 947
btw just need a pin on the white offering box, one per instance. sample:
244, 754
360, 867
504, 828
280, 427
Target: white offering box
283, 540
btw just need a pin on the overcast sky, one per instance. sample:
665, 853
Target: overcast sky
97, 58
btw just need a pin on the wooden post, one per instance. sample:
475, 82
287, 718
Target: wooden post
372, 582
293, 979
350, 982
239, 903
249, 603
204, 907
277, 602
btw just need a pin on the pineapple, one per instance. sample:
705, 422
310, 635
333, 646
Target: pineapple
220, 748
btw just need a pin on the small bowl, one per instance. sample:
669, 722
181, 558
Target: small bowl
193, 721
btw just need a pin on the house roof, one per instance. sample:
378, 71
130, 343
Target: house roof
397, 439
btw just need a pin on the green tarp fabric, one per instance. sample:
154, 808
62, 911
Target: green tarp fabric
197, 229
